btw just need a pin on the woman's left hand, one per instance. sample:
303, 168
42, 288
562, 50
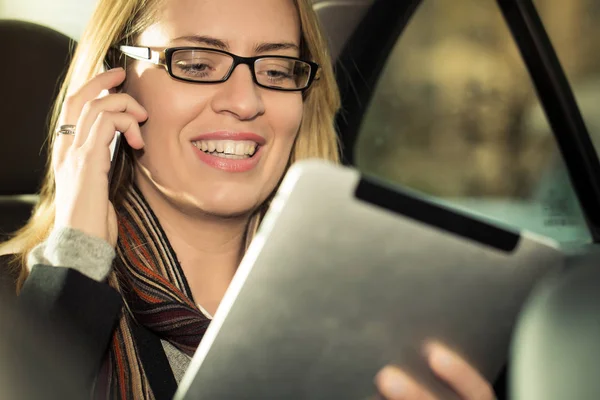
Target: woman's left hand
395, 384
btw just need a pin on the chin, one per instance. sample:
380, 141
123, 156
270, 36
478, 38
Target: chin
215, 198
227, 210
229, 198
226, 206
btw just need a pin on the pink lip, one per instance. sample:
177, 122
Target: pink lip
227, 164
231, 136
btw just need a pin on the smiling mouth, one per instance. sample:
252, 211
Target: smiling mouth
232, 149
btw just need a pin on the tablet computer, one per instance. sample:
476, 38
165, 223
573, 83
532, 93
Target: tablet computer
347, 275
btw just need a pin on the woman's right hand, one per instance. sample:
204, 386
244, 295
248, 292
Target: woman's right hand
81, 162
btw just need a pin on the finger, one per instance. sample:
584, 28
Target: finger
61, 146
459, 374
395, 384
108, 122
121, 102
74, 102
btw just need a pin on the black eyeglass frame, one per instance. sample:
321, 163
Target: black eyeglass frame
165, 58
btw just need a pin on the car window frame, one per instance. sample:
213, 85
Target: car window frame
363, 58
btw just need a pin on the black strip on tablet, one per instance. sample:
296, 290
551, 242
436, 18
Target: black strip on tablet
435, 215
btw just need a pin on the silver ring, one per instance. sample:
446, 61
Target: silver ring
66, 130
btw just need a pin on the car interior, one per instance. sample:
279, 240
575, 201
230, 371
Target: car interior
555, 347
28, 93
488, 107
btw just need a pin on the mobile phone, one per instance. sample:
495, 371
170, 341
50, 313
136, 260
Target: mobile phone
115, 145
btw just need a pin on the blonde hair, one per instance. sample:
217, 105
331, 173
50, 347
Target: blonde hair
121, 21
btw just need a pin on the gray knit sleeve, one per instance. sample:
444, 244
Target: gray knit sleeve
66, 247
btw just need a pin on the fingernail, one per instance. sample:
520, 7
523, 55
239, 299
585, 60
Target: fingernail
392, 382
112, 70
440, 356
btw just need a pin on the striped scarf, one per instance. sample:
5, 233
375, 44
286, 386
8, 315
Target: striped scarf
156, 295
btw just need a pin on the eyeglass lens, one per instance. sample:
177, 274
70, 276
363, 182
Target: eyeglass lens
208, 66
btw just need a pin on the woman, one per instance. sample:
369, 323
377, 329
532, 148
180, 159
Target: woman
215, 100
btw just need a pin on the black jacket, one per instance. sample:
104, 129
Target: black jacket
60, 329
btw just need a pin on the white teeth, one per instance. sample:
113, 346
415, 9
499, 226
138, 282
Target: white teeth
239, 148
230, 156
227, 147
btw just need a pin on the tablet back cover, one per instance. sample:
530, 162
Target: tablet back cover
346, 276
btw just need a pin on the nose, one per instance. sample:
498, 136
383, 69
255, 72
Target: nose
239, 96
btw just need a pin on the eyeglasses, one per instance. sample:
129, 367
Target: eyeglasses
203, 65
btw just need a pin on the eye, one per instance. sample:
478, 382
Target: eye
194, 68
276, 70
200, 65
277, 74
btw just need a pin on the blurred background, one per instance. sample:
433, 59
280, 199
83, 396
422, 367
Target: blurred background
66, 16
455, 115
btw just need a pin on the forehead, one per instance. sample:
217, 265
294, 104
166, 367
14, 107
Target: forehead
238, 22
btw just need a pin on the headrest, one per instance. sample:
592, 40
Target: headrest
339, 19
556, 346
35, 58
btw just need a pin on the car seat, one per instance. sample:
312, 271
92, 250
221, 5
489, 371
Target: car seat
339, 18
556, 348
35, 58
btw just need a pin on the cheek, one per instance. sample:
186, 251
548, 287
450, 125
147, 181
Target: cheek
285, 118
169, 106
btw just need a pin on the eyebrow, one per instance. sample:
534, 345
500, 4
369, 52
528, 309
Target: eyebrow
267, 47
224, 45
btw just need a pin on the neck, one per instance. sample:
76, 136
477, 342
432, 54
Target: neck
209, 248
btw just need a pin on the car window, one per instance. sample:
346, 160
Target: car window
575, 34
456, 117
